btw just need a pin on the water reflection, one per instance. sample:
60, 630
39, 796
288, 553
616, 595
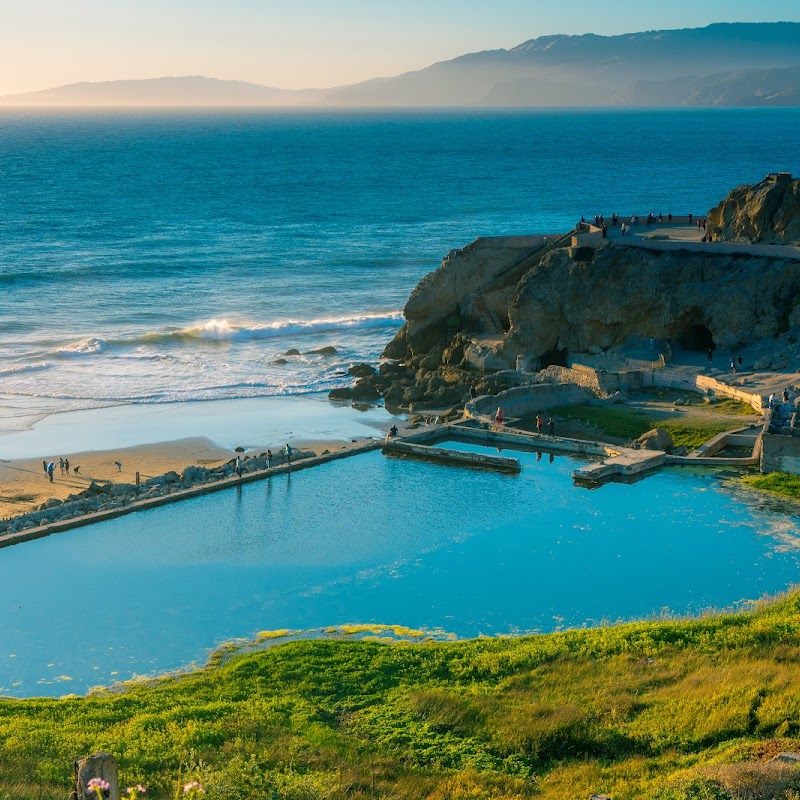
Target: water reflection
371, 539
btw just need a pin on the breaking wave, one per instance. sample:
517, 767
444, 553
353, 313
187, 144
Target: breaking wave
85, 347
19, 369
222, 330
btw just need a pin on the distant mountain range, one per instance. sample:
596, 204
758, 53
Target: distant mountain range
726, 64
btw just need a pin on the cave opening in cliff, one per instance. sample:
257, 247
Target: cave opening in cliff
554, 357
697, 337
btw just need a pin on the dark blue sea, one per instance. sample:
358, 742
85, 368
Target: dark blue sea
159, 257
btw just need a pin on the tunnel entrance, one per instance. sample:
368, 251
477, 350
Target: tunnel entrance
554, 357
697, 337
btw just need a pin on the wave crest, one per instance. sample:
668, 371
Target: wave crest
222, 330
19, 369
85, 347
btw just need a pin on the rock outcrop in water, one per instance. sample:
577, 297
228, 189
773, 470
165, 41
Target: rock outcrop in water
767, 212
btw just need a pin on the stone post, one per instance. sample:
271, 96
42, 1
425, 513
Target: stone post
100, 765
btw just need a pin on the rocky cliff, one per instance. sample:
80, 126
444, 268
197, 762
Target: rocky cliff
501, 310
768, 212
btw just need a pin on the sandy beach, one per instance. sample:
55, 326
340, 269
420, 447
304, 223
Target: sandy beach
156, 438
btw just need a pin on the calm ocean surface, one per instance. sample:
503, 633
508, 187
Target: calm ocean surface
153, 258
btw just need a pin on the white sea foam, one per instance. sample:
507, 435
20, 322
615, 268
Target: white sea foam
222, 330
85, 347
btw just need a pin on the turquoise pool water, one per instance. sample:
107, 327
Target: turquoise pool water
376, 539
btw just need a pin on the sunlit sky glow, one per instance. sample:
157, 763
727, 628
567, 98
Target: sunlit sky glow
307, 43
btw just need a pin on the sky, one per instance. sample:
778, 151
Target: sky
308, 43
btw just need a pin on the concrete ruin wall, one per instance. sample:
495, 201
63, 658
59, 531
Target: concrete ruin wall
702, 383
780, 453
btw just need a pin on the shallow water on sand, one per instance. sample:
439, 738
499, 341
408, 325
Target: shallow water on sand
381, 540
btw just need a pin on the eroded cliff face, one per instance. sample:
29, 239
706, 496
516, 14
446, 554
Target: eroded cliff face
576, 300
767, 212
524, 302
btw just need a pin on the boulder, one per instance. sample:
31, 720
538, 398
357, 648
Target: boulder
123, 490
365, 392
787, 758
293, 352
193, 474
171, 477
342, 393
655, 439
280, 361
762, 363
361, 370
323, 351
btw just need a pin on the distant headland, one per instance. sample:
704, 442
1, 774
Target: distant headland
721, 65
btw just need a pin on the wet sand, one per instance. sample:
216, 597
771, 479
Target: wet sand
154, 439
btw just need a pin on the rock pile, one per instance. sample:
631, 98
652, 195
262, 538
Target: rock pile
109, 496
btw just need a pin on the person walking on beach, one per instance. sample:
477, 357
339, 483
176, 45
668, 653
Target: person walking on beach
76, 470
539, 424
44, 467
551, 426
66, 466
238, 466
61, 466
118, 465
288, 454
269, 458
50, 469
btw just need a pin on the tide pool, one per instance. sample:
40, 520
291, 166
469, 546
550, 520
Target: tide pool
372, 539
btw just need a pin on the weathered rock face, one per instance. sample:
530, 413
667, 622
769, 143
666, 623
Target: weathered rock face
445, 298
765, 212
566, 305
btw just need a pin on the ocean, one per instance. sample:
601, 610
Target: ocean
160, 257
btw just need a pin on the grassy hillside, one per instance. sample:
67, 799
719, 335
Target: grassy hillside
672, 709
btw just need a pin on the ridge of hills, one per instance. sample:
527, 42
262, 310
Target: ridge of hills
724, 64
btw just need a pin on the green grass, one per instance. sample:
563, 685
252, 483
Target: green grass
736, 407
725, 406
671, 709
780, 483
623, 422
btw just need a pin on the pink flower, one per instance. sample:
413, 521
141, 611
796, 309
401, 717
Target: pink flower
98, 785
193, 788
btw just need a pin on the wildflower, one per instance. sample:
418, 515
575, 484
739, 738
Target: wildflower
193, 789
134, 791
99, 787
